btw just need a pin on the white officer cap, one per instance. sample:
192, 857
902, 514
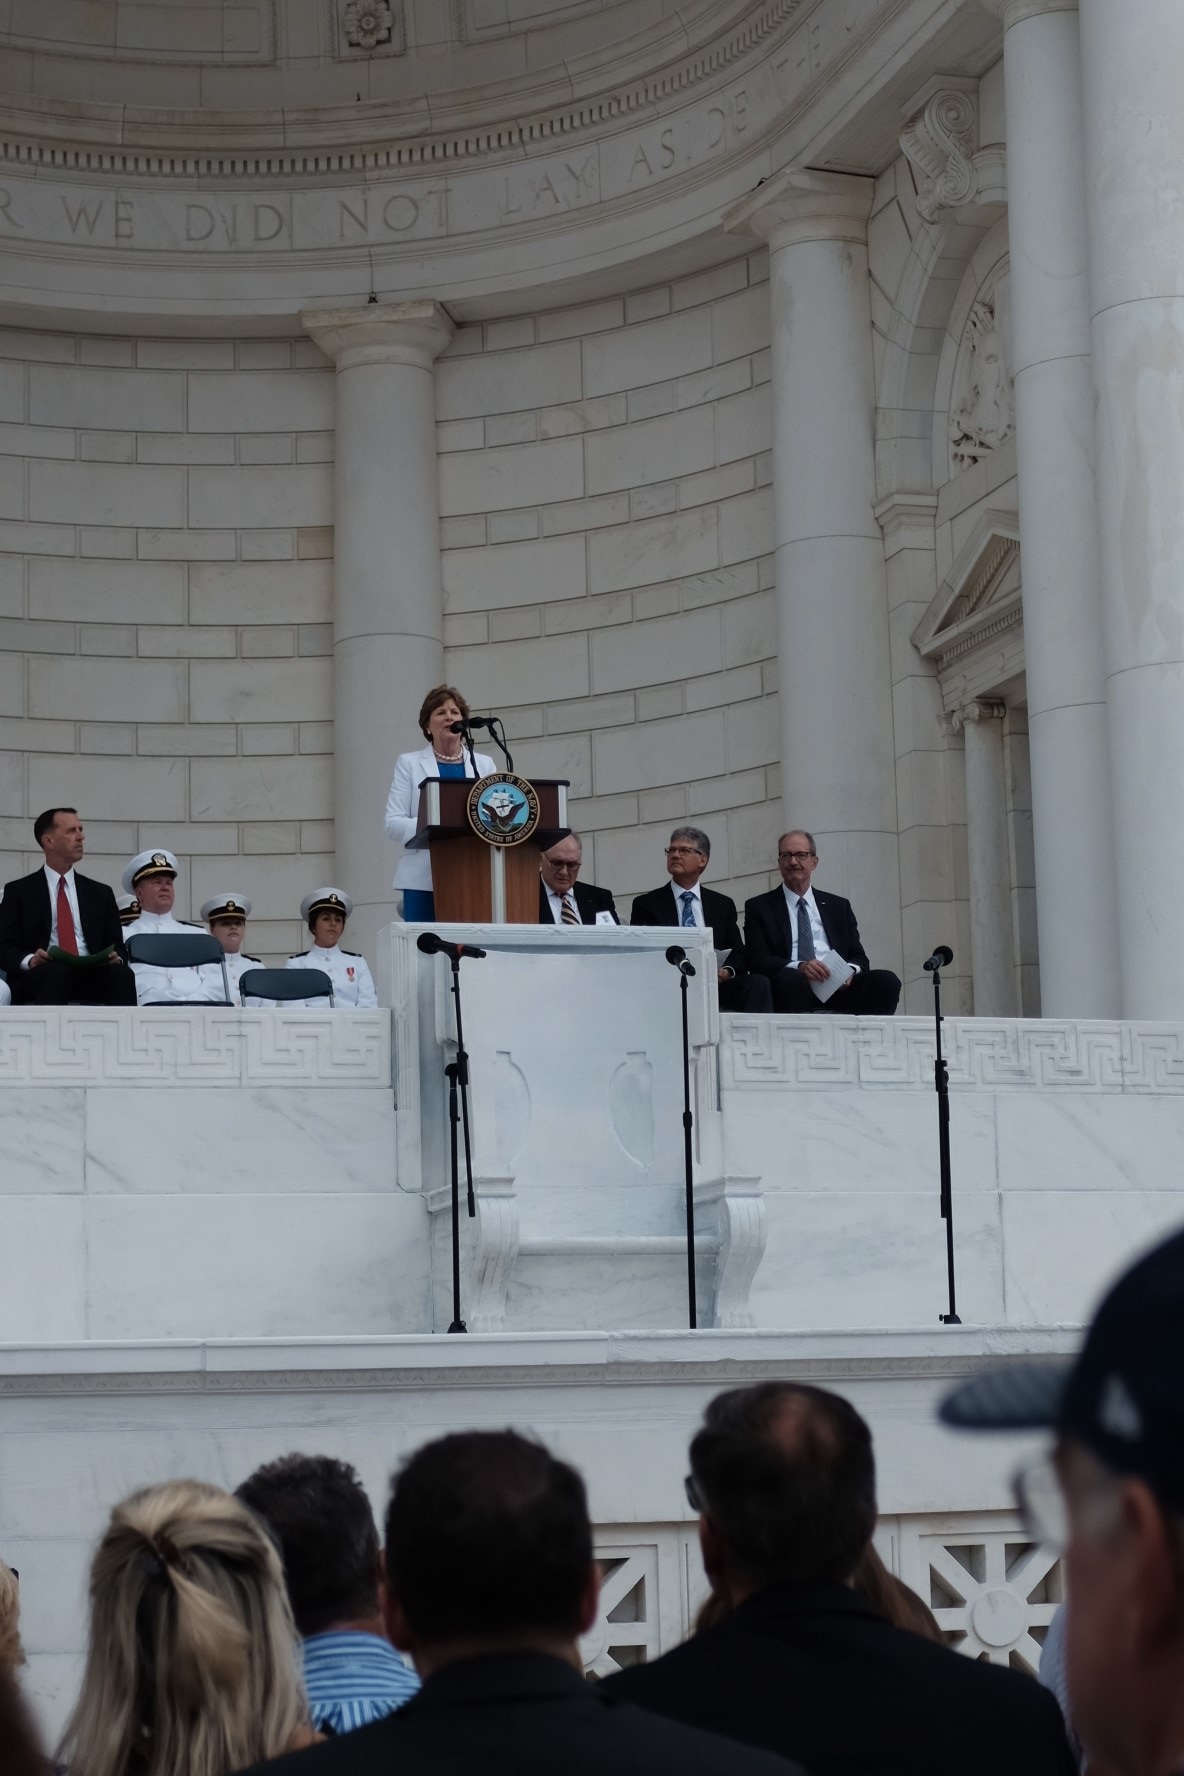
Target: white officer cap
225, 906
326, 900
148, 863
129, 908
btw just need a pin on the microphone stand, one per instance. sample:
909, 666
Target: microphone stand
466, 740
941, 1081
457, 1075
685, 970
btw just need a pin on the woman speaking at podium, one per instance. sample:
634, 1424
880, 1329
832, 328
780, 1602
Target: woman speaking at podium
444, 756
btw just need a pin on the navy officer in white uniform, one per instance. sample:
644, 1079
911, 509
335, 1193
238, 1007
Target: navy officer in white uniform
325, 911
227, 915
152, 877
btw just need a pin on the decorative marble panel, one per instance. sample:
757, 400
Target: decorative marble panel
194, 1046
993, 1591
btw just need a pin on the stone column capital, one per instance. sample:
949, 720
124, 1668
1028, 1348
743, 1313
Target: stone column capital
412, 333
979, 709
802, 205
1012, 11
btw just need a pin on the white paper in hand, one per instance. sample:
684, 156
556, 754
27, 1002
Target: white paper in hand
840, 972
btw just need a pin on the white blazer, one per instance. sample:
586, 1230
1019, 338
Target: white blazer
402, 810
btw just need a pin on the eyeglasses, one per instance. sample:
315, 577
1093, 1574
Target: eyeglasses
1040, 1501
794, 856
683, 851
694, 1496
559, 868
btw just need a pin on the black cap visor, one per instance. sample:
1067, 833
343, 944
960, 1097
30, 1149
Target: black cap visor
1015, 1396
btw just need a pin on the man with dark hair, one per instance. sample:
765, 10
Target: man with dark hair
807, 942
320, 1515
1111, 1495
490, 1582
783, 1478
683, 901
54, 920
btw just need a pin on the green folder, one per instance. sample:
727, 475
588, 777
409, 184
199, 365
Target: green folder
57, 955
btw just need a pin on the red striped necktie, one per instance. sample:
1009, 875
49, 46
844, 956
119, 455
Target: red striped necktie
67, 936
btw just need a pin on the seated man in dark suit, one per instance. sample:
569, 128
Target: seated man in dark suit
784, 1480
56, 908
683, 902
562, 899
490, 1581
792, 927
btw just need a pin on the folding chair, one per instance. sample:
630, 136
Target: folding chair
285, 984
166, 949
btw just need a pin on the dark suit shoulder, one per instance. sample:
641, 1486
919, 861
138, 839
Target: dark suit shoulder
713, 898
767, 899
655, 907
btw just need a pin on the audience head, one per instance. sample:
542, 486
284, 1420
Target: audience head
560, 866
192, 1665
320, 1515
152, 877
687, 855
488, 1547
784, 1480
59, 833
12, 1653
1112, 1495
797, 859
19, 1751
442, 706
227, 915
325, 911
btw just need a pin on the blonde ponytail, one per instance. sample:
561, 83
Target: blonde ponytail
192, 1668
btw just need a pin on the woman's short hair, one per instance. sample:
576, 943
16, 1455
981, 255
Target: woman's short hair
436, 699
192, 1668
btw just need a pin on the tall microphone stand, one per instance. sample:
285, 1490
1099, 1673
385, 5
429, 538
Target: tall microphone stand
678, 957
941, 1080
457, 1074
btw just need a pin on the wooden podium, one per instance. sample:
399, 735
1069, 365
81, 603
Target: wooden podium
476, 881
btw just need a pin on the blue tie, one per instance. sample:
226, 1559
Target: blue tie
806, 950
688, 907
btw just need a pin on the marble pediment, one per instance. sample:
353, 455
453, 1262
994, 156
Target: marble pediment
979, 603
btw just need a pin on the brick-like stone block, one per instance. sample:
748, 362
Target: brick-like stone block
301, 493
674, 752
508, 381
261, 592
12, 586
12, 487
744, 423
750, 629
746, 526
512, 672
107, 493
181, 642
179, 740
514, 573
655, 549
516, 475
12, 686
298, 788
261, 690
652, 351
186, 545
275, 885
182, 447
741, 324
298, 401
654, 450
21, 636
12, 391
95, 689
149, 402
267, 642
754, 735
652, 653
261, 739
111, 788
31, 440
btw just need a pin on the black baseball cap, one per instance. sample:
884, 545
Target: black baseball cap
1122, 1397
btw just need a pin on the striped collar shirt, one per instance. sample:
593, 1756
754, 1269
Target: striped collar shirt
353, 1678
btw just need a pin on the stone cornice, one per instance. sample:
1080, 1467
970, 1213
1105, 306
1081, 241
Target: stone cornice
370, 139
381, 333
804, 205
1013, 11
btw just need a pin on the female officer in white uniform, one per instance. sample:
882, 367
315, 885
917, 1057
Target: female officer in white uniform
325, 911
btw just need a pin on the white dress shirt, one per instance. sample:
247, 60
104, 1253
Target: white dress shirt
557, 904
696, 904
53, 878
353, 984
174, 986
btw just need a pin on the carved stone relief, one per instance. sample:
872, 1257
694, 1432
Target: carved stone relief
982, 415
370, 25
940, 141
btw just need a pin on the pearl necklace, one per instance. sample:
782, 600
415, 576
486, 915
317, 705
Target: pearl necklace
449, 758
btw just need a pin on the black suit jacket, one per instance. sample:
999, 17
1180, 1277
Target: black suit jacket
816, 1674
590, 900
522, 1715
26, 918
770, 939
659, 908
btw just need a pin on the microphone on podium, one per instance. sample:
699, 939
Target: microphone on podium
474, 721
942, 956
678, 957
432, 945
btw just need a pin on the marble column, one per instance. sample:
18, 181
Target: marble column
837, 753
992, 950
1076, 904
1134, 131
388, 615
